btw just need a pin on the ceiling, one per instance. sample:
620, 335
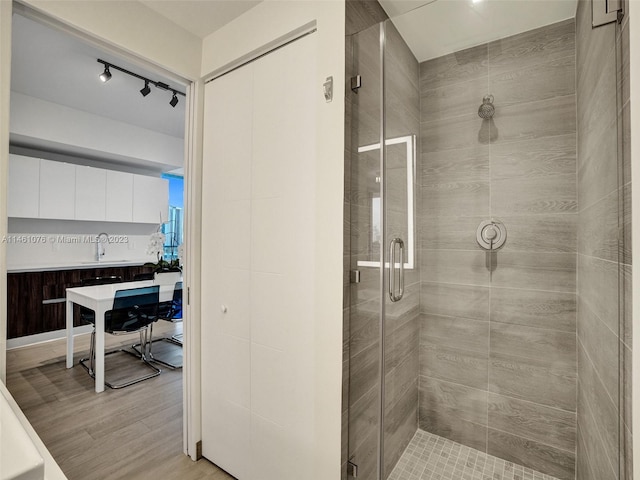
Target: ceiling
436, 28
201, 17
52, 65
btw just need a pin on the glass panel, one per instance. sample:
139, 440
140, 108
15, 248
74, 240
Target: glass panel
402, 285
364, 195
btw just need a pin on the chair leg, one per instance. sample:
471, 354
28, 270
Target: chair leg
91, 358
92, 351
146, 352
143, 342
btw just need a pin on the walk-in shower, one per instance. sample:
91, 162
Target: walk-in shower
487, 255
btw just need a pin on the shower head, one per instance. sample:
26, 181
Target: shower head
487, 109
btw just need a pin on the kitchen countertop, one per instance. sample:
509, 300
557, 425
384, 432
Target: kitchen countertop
46, 267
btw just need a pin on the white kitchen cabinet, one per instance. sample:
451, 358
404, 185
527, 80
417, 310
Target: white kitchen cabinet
150, 199
39, 188
57, 190
23, 187
119, 196
91, 185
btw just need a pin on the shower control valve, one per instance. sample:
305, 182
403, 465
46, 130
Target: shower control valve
491, 234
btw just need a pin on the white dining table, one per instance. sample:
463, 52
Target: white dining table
99, 298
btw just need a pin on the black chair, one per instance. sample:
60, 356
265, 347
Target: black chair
134, 310
86, 314
171, 312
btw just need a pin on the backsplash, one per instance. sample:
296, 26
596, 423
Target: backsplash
32, 243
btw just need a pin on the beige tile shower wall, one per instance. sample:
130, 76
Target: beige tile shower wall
604, 258
498, 332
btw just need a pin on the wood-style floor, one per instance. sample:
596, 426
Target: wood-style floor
132, 433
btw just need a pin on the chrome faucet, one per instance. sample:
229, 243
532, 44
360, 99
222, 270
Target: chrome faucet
100, 249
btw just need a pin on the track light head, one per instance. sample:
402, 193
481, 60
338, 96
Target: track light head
174, 100
106, 75
146, 90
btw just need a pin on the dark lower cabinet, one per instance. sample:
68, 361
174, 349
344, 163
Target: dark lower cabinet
24, 304
36, 301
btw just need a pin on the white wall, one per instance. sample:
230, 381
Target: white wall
62, 128
260, 26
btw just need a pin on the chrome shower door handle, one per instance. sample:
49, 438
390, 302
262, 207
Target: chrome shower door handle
393, 295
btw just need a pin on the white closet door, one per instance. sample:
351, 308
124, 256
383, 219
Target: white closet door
258, 265
226, 234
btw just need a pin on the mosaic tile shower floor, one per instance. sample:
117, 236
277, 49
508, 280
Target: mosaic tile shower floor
429, 457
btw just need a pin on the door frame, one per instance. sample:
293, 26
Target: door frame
192, 164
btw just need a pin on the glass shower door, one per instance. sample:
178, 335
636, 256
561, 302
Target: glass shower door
401, 103
384, 290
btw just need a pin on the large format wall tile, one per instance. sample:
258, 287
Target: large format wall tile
452, 332
535, 380
520, 195
454, 68
454, 411
555, 155
455, 365
593, 396
598, 229
451, 266
534, 308
449, 233
602, 345
455, 165
465, 131
551, 271
451, 100
446, 197
552, 233
557, 348
598, 288
532, 48
550, 426
464, 301
538, 456
535, 120
537, 82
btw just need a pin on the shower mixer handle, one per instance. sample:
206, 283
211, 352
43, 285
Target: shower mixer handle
491, 234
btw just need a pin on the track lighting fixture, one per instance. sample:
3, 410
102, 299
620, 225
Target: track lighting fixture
106, 75
146, 90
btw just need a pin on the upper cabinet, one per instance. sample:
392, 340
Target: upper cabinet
23, 187
91, 186
56, 190
150, 199
119, 197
